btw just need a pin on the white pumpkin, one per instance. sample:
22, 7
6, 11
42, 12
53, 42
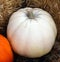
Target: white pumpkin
31, 32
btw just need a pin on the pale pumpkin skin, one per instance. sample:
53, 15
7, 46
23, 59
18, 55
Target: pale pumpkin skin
31, 32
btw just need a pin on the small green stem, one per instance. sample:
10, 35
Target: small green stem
30, 14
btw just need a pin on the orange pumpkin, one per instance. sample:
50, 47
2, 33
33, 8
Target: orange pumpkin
6, 54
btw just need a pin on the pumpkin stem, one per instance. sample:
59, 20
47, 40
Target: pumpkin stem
30, 15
